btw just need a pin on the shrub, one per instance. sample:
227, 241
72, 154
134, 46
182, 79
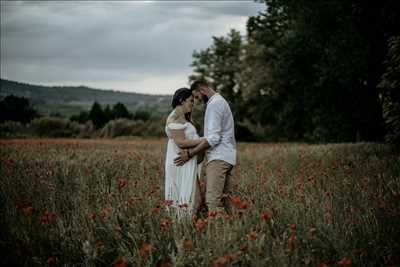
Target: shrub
122, 127
55, 127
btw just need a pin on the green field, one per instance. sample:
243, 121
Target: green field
100, 203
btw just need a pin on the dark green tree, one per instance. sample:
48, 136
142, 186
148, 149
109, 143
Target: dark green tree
108, 112
120, 111
97, 116
14, 108
83, 117
390, 87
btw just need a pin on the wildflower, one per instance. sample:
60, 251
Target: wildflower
184, 205
200, 224
292, 240
93, 215
27, 211
165, 222
105, 212
244, 205
47, 217
156, 210
382, 204
52, 260
168, 202
265, 216
164, 263
345, 262
187, 244
122, 183
243, 248
212, 213
121, 262
99, 243
222, 261
236, 201
321, 265
328, 194
292, 226
252, 235
146, 248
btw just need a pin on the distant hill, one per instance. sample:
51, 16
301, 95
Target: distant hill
69, 100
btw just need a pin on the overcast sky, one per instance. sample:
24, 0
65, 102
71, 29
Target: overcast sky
137, 46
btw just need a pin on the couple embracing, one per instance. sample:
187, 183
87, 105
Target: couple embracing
186, 151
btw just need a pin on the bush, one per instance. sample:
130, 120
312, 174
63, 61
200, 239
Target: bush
55, 127
123, 127
11, 129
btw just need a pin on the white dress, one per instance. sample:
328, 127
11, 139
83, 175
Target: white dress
180, 181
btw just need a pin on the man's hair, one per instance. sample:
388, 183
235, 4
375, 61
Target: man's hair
197, 84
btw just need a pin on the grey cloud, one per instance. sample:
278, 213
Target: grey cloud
74, 41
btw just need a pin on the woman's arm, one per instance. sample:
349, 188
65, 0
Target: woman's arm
179, 138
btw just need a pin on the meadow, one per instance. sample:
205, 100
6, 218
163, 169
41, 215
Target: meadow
71, 202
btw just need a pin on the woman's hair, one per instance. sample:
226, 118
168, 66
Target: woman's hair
179, 97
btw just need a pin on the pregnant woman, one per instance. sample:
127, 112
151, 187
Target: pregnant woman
181, 182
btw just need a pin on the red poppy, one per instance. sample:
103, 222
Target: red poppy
184, 205
168, 202
252, 235
145, 249
156, 210
243, 248
122, 183
121, 262
292, 240
93, 215
236, 201
165, 222
52, 260
99, 243
345, 262
187, 244
105, 212
265, 216
27, 211
222, 261
212, 213
292, 226
200, 224
244, 205
47, 217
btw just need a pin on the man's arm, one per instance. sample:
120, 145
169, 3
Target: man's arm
185, 155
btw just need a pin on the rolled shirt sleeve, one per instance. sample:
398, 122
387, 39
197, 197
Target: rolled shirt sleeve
213, 124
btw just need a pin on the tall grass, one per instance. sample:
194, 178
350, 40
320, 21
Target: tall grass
100, 203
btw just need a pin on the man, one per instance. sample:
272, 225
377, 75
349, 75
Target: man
220, 144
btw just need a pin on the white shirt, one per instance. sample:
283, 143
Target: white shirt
219, 130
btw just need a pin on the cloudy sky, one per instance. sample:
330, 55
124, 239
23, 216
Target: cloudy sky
137, 46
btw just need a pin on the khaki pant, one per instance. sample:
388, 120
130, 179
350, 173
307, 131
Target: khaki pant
218, 175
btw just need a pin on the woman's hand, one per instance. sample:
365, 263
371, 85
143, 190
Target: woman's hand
182, 158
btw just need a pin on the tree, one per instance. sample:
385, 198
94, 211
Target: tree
97, 116
390, 87
120, 111
14, 108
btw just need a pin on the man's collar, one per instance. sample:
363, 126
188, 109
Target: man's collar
209, 100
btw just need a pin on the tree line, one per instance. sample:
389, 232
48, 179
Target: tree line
18, 117
319, 71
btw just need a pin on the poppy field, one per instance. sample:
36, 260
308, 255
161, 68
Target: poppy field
73, 202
